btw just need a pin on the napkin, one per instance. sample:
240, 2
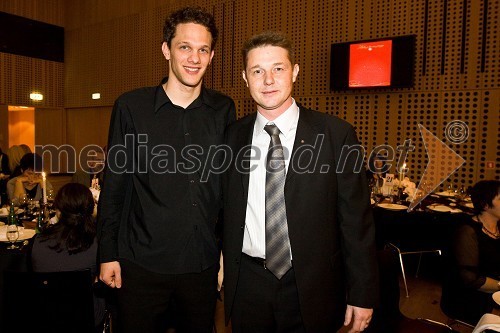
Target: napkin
488, 322
4, 211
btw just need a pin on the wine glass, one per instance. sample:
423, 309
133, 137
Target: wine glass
23, 203
50, 198
12, 236
450, 189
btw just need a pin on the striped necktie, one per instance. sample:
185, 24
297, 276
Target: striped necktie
278, 259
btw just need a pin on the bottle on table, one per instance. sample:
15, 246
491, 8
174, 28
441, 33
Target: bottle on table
43, 219
12, 218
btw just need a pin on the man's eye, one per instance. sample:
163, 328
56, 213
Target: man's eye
204, 51
184, 47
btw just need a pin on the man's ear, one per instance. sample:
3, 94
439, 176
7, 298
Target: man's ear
165, 50
295, 72
211, 57
244, 75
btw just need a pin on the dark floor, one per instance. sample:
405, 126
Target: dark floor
423, 300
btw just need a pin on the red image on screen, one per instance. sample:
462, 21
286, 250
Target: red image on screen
370, 64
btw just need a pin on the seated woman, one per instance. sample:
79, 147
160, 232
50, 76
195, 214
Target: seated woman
375, 173
70, 244
30, 181
476, 257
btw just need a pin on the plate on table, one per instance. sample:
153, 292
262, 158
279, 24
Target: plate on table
23, 235
440, 208
392, 206
468, 205
496, 297
5, 213
447, 194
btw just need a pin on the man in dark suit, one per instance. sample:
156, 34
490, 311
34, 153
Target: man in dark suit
299, 250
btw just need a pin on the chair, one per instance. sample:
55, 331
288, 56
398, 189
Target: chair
387, 317
49, 302
415, 251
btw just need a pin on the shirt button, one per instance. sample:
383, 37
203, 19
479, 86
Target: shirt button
195, 204
186, 134
241, 226
192, 181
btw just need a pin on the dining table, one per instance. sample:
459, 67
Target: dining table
15, 259
428, 226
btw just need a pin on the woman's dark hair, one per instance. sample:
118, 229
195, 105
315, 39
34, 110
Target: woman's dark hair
31, 161
373, 168
483, 193
189, 15
76, 229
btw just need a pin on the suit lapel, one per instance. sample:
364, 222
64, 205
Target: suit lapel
243, 159
307, 134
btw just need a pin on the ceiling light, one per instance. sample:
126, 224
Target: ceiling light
36, 96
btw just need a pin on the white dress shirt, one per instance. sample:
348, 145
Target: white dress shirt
254, 239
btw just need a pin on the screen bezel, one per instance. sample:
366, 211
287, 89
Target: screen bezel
402, 63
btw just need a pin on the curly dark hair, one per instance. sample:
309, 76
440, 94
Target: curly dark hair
76, 229
189, 15
483, 193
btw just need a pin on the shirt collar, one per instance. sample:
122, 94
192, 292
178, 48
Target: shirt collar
286, 122
161, 98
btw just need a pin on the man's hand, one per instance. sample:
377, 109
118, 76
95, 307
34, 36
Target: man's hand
362, 317
111, 274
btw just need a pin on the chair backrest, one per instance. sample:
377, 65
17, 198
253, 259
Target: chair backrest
49, 302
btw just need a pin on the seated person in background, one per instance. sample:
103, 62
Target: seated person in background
377, 168
4, 176
30, 181
26, 149
91, 170
70, 244
476, 256
15, 154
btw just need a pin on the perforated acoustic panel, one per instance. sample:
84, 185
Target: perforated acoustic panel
19, 76
457, 76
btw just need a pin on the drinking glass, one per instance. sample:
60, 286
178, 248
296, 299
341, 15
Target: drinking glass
12, 236
23, 203
50, 198
450, 189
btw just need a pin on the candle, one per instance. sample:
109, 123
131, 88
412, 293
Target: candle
44, 188
402, 173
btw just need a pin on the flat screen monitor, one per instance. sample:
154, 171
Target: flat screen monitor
380, 63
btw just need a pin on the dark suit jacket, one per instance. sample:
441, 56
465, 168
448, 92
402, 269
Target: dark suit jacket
330, 222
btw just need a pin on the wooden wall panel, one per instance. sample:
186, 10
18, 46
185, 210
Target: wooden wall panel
50, 129
114, 47
4, 127
20, 76
48, 11
87, 126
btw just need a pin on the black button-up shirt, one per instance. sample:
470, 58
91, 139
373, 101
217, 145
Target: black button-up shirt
160, 203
